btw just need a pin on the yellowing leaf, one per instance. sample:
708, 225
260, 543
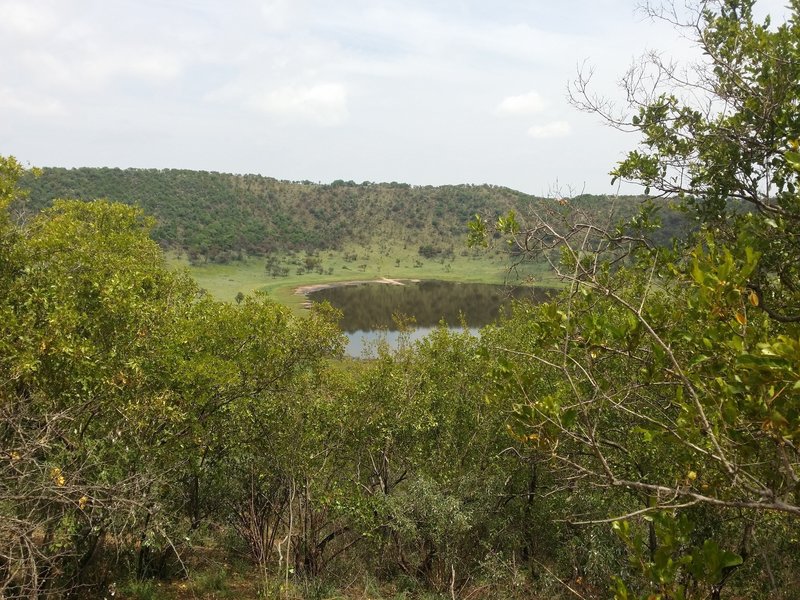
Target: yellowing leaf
57, 476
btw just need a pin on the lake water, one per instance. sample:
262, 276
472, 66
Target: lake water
368, 308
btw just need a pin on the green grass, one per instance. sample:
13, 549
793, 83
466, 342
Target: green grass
211, 582
224, 281
141, 590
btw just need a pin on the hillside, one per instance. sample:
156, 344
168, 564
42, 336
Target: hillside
219, 217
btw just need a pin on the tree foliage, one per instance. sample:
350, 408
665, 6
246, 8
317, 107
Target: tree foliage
118, 380
671, 376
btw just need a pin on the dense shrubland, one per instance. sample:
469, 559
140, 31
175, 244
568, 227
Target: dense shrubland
141, 418
123, 393
635, 436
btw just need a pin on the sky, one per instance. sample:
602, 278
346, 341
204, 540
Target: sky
423, 92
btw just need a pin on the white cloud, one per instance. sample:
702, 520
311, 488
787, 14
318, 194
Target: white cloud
29, 104
554, 129
24, 19
152, 65
88, 68
524, 104
522, 42
322, 104
277, 14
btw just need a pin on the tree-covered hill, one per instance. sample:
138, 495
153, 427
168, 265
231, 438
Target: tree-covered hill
219, 216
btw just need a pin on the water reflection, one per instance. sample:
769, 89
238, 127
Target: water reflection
368, 308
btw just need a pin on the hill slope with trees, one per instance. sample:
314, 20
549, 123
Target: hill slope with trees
219, 217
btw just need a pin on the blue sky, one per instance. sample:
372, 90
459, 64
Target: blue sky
435, 92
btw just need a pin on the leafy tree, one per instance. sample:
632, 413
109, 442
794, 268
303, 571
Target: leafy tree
84, 301
723, 136
670, 378
124, 393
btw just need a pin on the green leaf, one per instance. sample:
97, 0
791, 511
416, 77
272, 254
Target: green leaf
793, 158
729, 559
569, 417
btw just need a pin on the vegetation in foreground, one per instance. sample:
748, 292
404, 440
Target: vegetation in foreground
636, 437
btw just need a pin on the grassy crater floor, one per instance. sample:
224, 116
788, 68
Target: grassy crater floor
250, 274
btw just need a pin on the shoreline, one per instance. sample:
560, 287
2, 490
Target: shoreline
304, 290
